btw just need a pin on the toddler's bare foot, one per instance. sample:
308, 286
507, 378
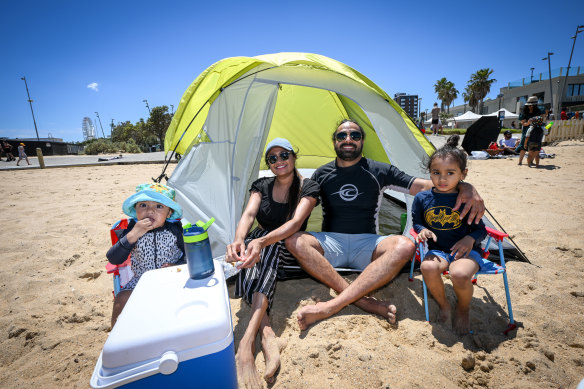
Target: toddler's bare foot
247, 373
378, 307
462, 322
272, 346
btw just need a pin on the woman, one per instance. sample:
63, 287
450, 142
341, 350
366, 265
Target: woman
529, 110
282, 205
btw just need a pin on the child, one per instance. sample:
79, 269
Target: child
533, 140
453, 244
21, 154
153, 237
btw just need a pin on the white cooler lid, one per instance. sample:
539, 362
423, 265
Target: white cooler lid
169, 312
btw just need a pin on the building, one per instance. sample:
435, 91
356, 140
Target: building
408, 103
513, 96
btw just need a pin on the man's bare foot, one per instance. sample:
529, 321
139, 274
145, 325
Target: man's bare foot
272, 346
378, 307
247, 374
311, 314
461, 322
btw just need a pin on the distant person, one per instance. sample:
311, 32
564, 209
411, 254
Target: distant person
533, 140
7, 147
435, 119
549, 114
508, 143
529, 110
563, 114
453, 244
154, 237
21, 154
513, 124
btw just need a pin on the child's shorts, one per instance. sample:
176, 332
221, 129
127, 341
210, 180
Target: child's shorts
534, 146
474, 255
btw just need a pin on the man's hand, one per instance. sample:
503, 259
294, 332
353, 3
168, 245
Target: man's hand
463, 247
426, 234
474, 205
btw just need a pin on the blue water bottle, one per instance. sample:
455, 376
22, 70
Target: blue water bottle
198, 250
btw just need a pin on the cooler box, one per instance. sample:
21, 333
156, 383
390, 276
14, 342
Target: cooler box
174, 332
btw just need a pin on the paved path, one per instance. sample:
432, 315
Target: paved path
85, 160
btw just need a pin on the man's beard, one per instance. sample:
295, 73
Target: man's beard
348, 155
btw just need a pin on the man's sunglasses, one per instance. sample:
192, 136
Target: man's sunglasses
284, 155
355, 135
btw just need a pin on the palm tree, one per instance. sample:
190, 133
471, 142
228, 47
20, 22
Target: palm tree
470, 97
481, 85
440, 88
450, 94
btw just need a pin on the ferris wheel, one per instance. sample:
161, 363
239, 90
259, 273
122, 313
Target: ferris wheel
88, 129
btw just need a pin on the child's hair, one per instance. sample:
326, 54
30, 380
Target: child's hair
449, 150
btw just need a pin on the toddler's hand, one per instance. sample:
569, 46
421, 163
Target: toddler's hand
462, 248
140, 228
426, 234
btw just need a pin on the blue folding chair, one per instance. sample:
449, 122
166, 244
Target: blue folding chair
487, 267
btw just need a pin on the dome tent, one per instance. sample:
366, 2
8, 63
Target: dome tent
236, 106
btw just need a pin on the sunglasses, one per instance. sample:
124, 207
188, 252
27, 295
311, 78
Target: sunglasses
355, 135
272, 159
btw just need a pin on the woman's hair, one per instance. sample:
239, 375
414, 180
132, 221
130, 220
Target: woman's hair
295, 187
449, 150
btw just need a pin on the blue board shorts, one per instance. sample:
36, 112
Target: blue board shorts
348, 250
485, 266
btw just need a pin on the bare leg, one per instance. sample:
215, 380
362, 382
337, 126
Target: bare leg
246, 369
461, 272
537, 159
521, 155
271, 346
432, 268
119, 303
388, 259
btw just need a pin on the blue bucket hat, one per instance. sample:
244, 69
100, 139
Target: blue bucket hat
279, 142
159, 193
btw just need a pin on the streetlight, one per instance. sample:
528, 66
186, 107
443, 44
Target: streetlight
561, 96
112, 130
548, 58
532, 69
171, 109
30, 102
98, 118
147, 106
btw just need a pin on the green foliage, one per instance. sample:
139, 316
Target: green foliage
446, 91
158, 122
479, 87
106, 146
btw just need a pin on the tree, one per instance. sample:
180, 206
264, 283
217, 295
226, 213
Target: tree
158, 122
481, 85
469, 97
450, 94
440, 87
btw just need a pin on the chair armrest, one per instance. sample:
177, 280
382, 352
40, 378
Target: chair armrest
497, 235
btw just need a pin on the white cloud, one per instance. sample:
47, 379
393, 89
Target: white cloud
93, 86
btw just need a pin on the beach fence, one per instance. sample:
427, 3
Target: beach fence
566, 130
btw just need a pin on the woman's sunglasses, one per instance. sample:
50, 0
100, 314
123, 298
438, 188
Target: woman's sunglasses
355, 135
284, 155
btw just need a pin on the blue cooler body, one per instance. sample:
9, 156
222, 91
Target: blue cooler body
173, 332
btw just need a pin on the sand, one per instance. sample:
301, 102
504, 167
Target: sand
56, 297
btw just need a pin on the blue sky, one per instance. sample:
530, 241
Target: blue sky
136, 50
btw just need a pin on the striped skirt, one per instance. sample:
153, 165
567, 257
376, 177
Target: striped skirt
263, 275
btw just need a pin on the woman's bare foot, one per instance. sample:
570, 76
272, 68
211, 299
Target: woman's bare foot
378, 307
247, 373
461, 322
272, 346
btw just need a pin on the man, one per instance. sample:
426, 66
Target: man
508, 144
435, 119
350, 189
